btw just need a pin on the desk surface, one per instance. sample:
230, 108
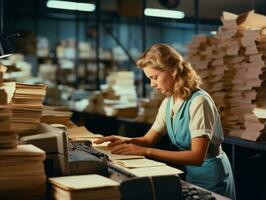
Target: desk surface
245, 143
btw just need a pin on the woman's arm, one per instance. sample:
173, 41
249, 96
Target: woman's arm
148, 140
195, 156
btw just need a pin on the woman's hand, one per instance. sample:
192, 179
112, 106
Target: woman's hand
127, 149
113, 139
121, 145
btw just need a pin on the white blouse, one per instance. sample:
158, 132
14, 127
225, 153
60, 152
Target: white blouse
203, 117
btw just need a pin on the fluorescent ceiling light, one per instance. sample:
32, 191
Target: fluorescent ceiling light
69, 5
164, 13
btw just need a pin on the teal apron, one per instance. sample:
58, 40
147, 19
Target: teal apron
215, 174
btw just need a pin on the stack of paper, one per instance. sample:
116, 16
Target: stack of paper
22, 173
251, 73
117, 97
121, 109
2, 72
253, 127
149, 108
56, 115
27, 106
91, 187
232, 65
6, 92
120, 85
82, 134
198, 49
8, 138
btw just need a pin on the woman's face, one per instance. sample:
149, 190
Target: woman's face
162, 81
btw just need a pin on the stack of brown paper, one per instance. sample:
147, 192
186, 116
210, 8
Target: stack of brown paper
6, 92
198, 50
118, 97
56, 115
27, 106
82, 134
120, 85
85, 187
8, 138
128, 110
22, 173
232, 65
2, 72
149, 108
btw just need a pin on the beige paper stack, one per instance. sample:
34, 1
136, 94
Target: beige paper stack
22, 173
120, 85
8, 138
56, 115
27, 106
232, 65
2, 72
90, 187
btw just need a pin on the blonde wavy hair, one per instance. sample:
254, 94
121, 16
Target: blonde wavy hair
163, 57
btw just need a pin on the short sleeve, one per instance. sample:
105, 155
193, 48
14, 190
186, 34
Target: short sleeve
202, 117
159, 124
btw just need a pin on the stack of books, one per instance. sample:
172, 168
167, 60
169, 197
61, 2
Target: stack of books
90, 187
56, 115
21, 166
22, 173
27, 106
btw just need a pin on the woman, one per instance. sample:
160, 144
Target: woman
189, 116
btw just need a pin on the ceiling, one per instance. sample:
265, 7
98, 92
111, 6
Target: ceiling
208, 9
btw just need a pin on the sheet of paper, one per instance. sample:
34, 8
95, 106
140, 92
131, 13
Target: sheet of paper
141, 162
154, 171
